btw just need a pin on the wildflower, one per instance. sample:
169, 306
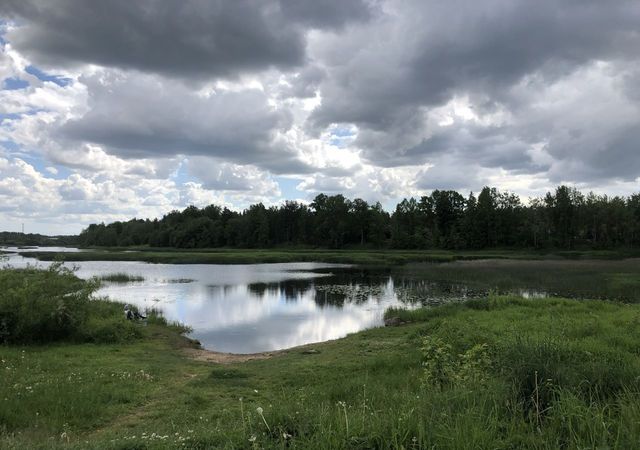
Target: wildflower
260, 411
252, 438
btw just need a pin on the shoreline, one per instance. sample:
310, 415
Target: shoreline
357, 257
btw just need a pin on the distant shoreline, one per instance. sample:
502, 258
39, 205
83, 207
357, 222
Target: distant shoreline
360, 257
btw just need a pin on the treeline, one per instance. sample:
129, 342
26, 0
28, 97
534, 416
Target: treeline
565, 218
31, 239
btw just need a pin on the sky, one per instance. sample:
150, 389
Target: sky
118, 109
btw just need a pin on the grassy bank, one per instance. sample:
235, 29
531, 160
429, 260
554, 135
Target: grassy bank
353, 256
499, 373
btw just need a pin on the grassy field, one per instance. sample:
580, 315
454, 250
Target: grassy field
353, 256
502, 372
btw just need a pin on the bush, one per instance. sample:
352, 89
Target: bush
49, 305
42, 305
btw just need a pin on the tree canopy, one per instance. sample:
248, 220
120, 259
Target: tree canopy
564, 219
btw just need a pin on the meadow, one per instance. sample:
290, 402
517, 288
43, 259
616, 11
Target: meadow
500, 372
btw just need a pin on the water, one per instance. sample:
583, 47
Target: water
263, 307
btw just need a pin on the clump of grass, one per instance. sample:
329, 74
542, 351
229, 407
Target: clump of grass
156, 317
121, 277
180, 280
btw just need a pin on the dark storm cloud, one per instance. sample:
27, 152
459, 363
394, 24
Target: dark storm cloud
331, 14
303, 84
391, 72
194, 38
491, 147
436, 49
143, 116
614, 155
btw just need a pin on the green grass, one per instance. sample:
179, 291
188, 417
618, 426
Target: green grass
351, 256
556, 373
121, 277
604, 279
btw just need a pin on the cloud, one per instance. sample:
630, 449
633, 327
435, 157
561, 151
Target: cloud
73, 202
177, 38
144, 116
221, 176
387, 76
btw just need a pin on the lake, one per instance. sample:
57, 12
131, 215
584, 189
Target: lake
262, 307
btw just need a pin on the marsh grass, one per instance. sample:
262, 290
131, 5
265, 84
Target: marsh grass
602, 279
121, 277
155, 316
346, 256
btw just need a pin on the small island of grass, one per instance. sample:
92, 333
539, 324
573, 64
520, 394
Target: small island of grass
121, 277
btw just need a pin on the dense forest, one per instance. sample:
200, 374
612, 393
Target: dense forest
565, 218
31, 239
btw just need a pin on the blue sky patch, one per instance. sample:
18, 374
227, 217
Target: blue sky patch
40, 164
288, 187
341, 137
181, 175
13, 84
8, 116
42, 76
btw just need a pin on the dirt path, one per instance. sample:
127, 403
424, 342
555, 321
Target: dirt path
225, 358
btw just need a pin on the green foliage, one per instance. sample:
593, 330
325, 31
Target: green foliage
108, 330
564, 219
39, 306
42, 305
443, 368
31, 239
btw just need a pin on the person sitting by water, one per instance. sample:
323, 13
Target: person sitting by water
132, 314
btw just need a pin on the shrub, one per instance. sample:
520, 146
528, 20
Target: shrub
42, 305
49, 305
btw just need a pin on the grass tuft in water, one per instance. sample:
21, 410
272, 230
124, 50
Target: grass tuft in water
121, 277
